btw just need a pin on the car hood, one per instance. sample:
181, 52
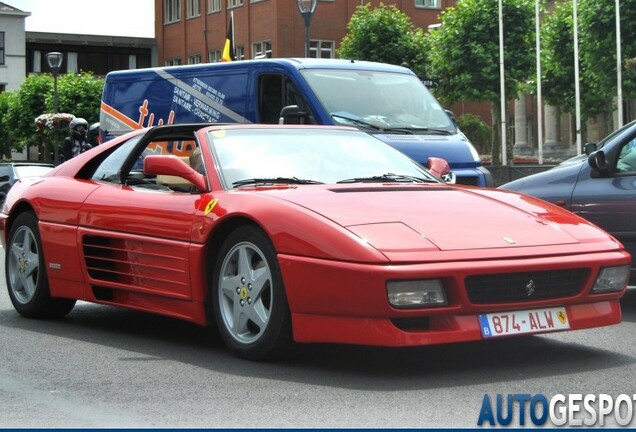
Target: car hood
440, 217
458, 152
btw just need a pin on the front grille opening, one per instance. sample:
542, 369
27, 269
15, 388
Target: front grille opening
103, 293
468, 181
411, 324
526, 286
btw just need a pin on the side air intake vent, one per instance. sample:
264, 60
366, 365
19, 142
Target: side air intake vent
136, 263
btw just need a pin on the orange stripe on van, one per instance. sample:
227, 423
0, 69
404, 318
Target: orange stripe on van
119, 116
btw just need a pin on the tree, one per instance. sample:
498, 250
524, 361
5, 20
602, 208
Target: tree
464, 53
597, 55
5, 135
78, 94
386, 35
598, 52
27, 103
557, 57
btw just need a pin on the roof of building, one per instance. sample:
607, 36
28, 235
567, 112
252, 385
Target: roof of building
92, 40
5, 9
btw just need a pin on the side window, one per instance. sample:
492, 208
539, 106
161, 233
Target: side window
110, 168
627, 158
275, 92
271, 97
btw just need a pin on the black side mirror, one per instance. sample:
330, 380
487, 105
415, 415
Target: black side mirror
589, 148
292, 114
598, 162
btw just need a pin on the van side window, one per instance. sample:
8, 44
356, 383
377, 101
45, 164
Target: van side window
275, 92
270, 97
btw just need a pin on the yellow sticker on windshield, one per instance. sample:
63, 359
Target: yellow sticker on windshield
218, 133
210, 206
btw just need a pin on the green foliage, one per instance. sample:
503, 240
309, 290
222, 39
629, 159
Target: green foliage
28, 103
464, 51
597, 55
477, 131
78, 94
384, 34
557, 57
6, 139
597, 32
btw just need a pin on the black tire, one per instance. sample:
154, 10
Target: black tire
248, 297
27, 281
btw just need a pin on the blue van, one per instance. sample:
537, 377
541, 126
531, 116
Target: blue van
387, 101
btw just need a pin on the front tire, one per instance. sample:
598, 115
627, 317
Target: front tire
26, 277
248, 296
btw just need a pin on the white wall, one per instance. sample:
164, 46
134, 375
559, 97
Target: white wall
13, 71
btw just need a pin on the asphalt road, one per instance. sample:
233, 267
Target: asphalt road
107, 367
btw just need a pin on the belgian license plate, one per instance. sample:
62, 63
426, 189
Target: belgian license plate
523, 322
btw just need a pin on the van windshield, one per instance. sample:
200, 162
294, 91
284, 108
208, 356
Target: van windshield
378, 100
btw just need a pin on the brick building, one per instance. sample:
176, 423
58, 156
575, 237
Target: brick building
194, 31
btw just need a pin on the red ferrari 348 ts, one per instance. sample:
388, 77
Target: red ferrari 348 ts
293, 233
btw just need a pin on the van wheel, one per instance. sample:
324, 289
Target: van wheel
26, 277
248, 297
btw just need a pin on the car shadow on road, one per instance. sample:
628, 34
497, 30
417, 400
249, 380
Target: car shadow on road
152, 337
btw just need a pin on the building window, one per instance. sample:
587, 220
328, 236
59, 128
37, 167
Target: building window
72, 66
194, 8
171, 11
194, 59
214, 6
262, 49
173, 62
214, 56
239, 52
1, 48
321, 49
234, 3
433, 4
37, 62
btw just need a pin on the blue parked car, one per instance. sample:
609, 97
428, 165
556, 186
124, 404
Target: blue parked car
599, 186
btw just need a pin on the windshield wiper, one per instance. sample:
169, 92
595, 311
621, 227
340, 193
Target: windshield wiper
388, 177
274, 180
362, 123
357, 121
425, 129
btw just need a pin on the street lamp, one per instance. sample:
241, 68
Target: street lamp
55, 61
307, 9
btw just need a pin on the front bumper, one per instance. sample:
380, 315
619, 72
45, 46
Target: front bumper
342, 302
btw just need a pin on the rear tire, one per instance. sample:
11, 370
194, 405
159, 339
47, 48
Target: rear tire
248, 296
26, 277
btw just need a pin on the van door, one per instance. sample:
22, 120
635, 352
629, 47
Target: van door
276, 91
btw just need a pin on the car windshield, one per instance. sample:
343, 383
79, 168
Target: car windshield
24, 171
309, 156
379, 100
